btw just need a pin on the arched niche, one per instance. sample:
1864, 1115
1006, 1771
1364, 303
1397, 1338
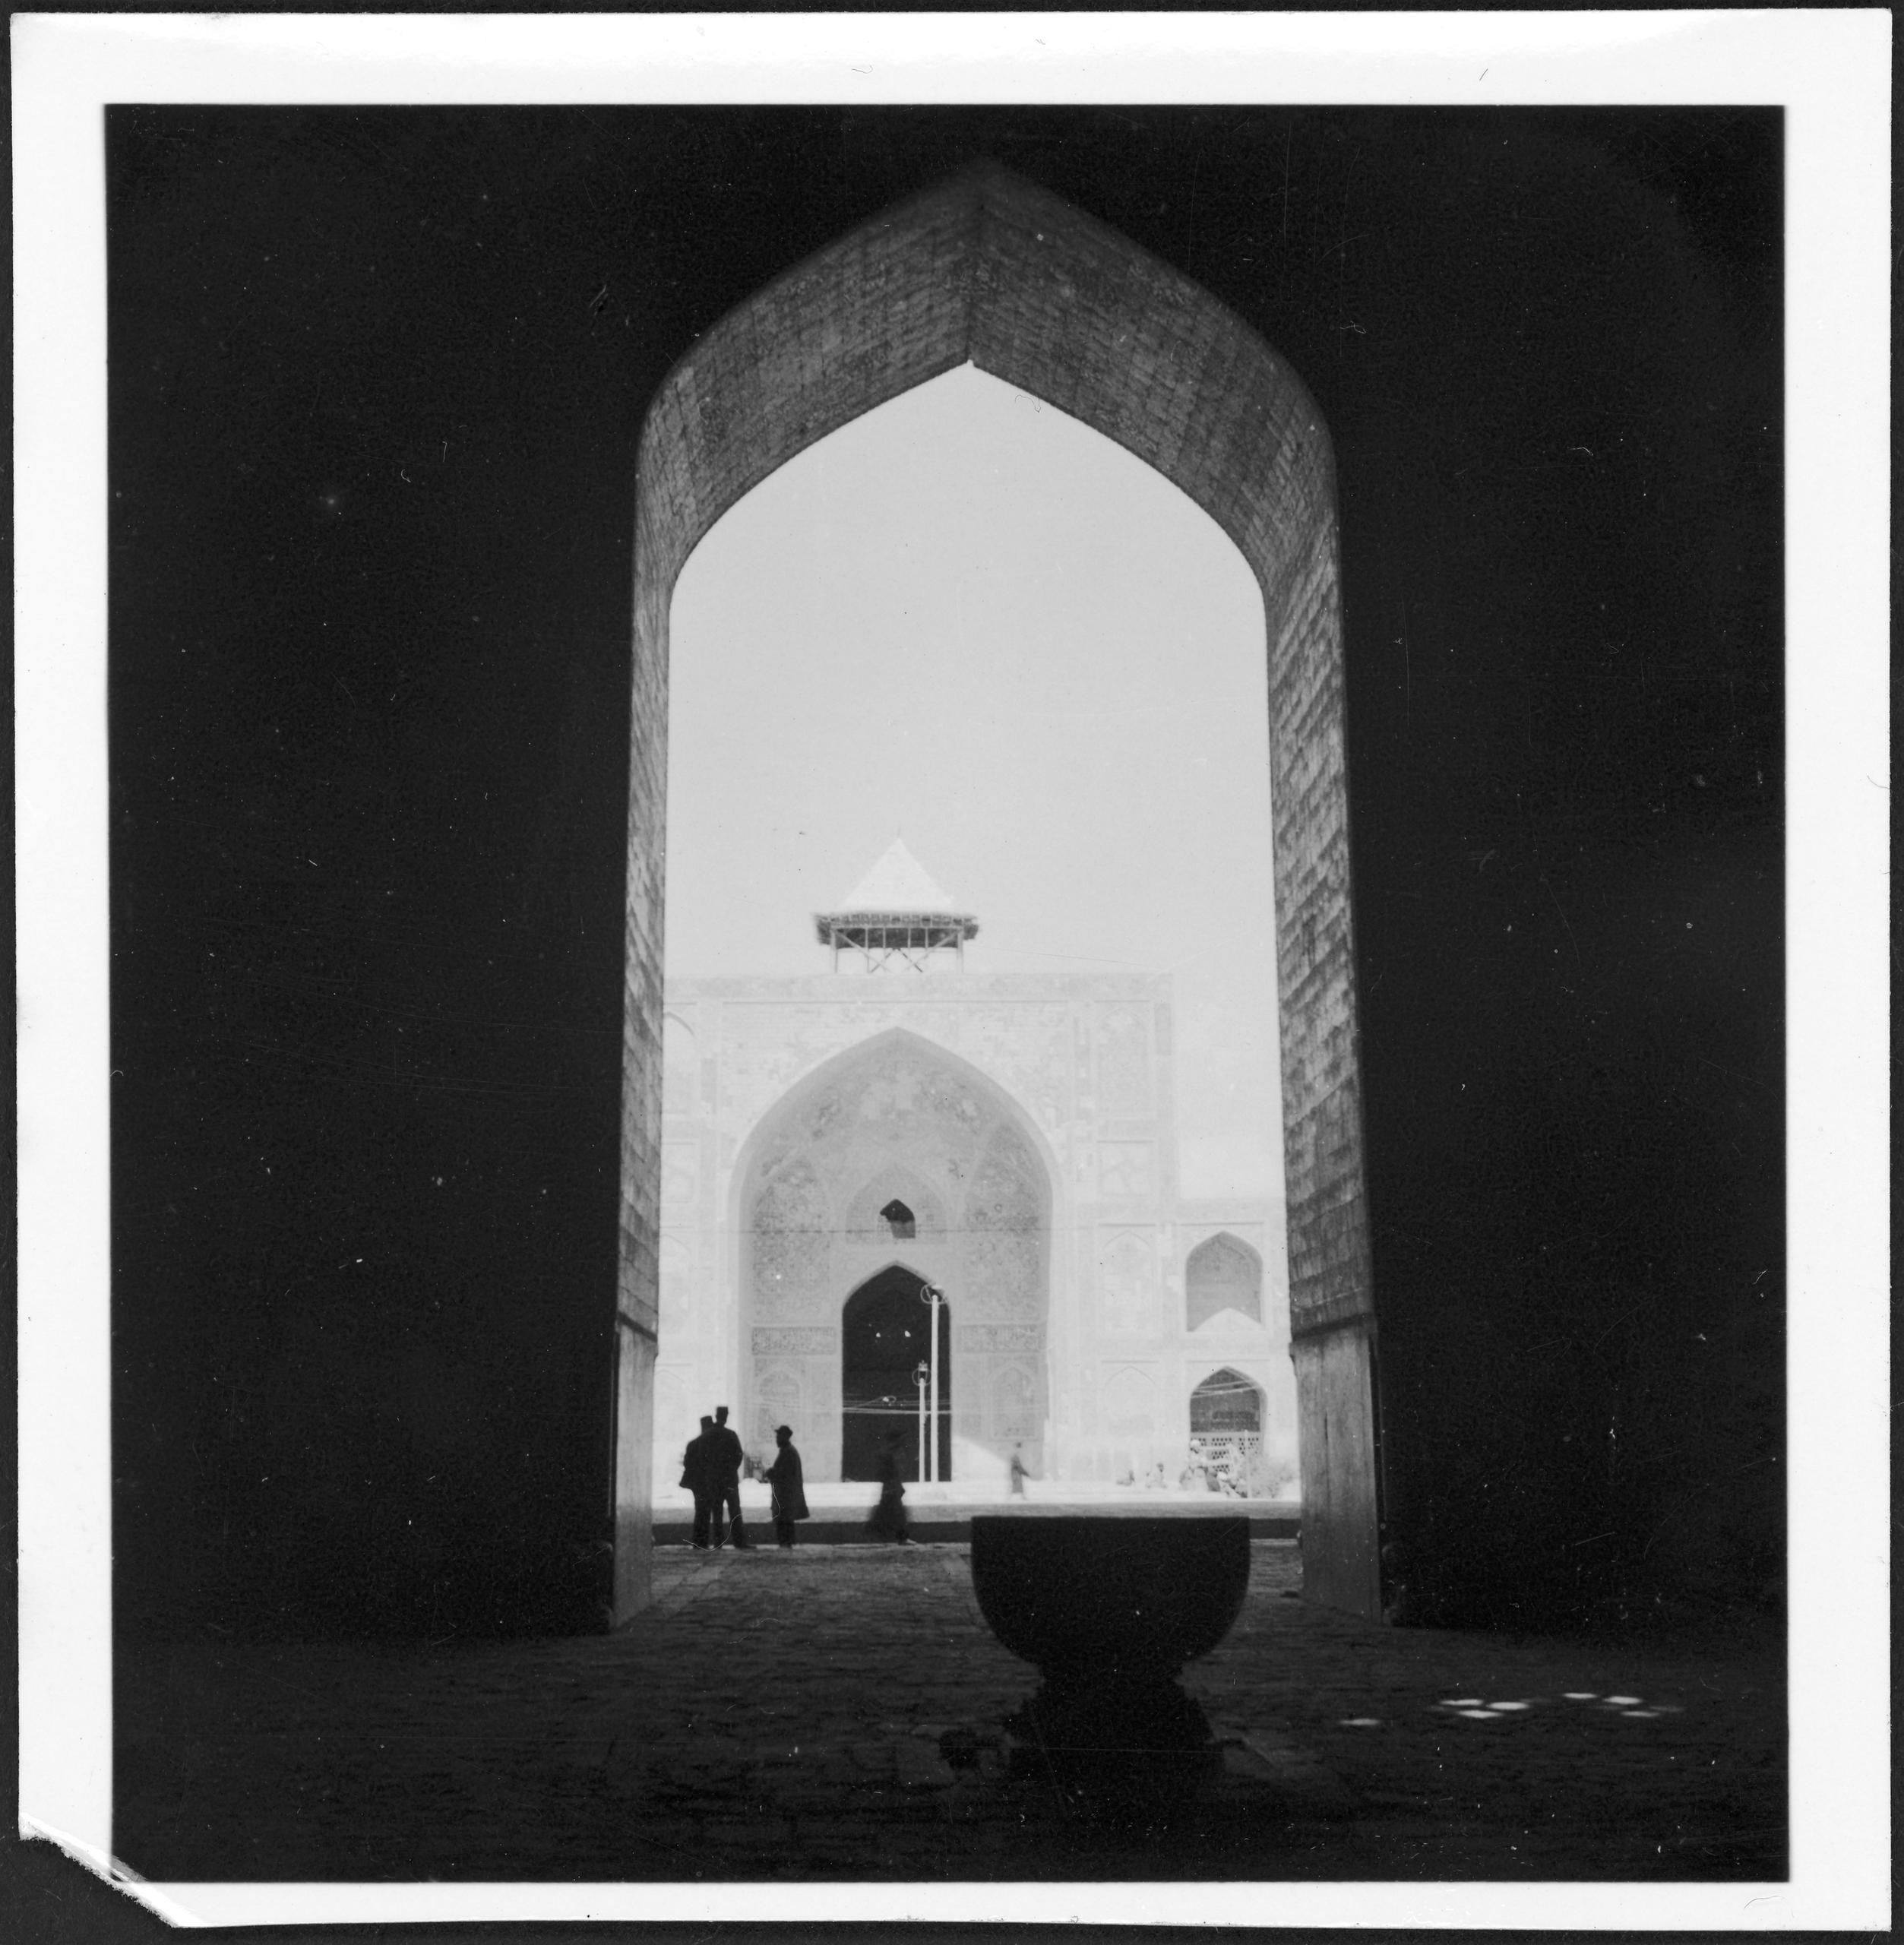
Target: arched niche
989, 269
1222, 1274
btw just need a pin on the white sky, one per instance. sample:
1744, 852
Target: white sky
969, 620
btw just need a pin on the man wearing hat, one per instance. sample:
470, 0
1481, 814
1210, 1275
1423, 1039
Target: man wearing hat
789, 1493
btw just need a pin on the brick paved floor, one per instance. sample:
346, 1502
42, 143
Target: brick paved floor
780, 1716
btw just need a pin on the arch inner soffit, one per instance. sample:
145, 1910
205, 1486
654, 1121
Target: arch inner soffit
988, 269
1002, 1127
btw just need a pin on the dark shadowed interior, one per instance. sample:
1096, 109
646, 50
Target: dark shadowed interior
377, 380
886, 1334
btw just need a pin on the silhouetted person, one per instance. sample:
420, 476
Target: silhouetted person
697, 1477
789, 1489
724, 1469
888, 1521
1018, 1471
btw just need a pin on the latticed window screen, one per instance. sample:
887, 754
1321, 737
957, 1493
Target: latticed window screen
1226, 1428
1226, 1404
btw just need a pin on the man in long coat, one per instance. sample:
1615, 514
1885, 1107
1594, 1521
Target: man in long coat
784, 1475
697, 1475
724, 1471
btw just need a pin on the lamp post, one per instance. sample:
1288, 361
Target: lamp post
931, 1294
921, 1374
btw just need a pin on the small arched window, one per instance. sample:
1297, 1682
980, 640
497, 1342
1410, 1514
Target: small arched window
898, 1219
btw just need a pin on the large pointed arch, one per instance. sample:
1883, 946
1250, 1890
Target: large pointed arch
815, 1158
990, 269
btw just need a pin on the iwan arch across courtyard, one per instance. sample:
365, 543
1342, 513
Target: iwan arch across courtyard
987, 269
895, 1123
829, 1149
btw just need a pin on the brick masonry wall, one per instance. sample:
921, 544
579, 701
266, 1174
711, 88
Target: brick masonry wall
988, 269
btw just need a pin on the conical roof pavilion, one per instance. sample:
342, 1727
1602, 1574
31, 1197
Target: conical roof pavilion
896, 913
898, 883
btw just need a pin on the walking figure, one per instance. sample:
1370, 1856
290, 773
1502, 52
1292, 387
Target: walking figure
724, 1469
1018, 1471
789, 1492
888, 1521
697, 1475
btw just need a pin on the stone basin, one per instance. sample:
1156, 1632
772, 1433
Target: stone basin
1110, 1596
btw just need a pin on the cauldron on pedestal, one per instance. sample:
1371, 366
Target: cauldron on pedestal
1110, 1606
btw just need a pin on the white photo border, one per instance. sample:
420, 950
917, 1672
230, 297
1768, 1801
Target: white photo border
1830, 71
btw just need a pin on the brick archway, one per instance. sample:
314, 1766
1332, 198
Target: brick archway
988, 269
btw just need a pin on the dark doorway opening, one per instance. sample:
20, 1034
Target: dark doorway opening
887, 1334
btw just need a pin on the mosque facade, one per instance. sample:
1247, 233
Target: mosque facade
854, 1160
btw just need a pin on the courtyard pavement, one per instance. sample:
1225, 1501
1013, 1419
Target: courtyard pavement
835, 1713
944, 1511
